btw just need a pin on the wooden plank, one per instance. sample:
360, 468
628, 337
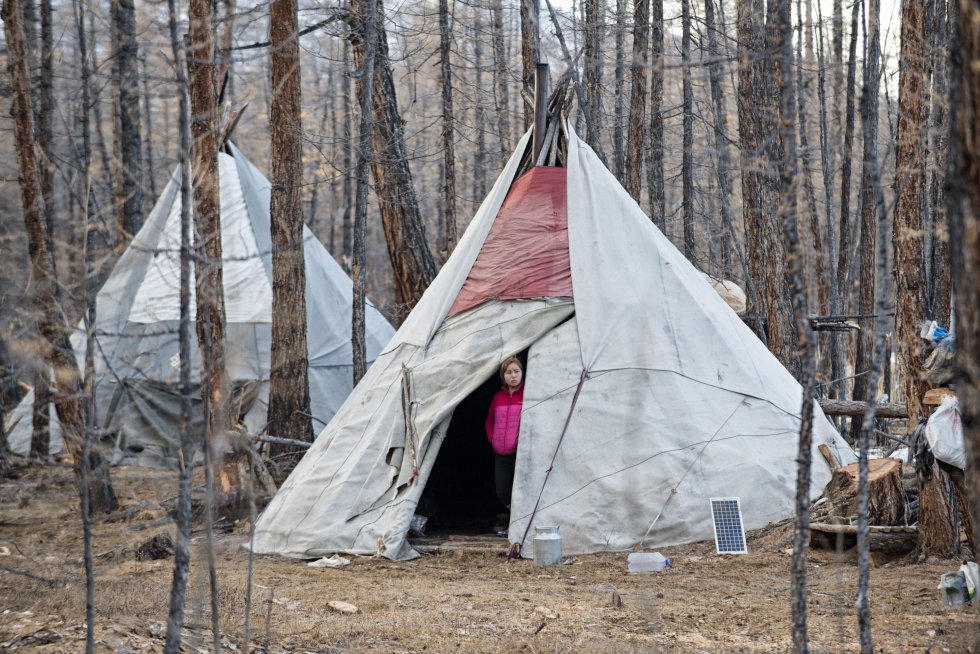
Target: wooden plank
935, 396
449, 547
829, 457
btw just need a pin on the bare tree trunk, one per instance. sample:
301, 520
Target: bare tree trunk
208, 272
828, 168
408, 248
843, 252
720, 138
530, 54
46, 115
226, 75
54, 328
148, 141
758, 122
348, 191
871, 194
501, 103
129, 216
182, 552
479, 112
638, 98
687, 138
594, 29
909, 178
448, 134
619, 91
368, 46
289, 388
869, 205
41, 413
655, 164
937, 254
964, 218
781, 29
808, 189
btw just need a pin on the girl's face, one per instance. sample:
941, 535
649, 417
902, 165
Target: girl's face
513, 376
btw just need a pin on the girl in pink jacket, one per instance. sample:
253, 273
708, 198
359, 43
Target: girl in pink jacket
504, 425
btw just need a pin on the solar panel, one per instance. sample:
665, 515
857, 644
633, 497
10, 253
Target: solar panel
726, 513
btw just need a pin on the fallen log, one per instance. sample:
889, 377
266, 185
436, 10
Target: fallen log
880, 539
855, 408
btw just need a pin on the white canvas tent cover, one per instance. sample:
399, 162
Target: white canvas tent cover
137, 317
645, 396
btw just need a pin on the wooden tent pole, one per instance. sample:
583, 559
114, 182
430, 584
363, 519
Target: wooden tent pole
540, 107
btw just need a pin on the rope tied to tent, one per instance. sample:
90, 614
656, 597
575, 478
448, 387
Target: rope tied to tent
515, 549
407, 406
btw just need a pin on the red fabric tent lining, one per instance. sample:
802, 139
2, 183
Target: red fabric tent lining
526, 252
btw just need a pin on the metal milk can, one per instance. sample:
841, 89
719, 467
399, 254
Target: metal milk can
547, 546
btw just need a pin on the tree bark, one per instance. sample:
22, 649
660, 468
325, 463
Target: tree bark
869, 207
655, 164
54, 328
129, 187
938, 254
448, 134
479, 112
619, 91
208, 272
501, 95
687, 137
530, 54
183, 513
720, 138
780, 30
909, 178
592, 52
368, 36
761, 146
843, 252
964, 217
408, 248
349, 101
289, 389
638, 98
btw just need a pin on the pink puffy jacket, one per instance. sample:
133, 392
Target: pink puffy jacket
504, 420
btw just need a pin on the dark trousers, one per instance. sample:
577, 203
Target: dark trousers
503, 474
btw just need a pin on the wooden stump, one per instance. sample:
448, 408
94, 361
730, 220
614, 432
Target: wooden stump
886, 498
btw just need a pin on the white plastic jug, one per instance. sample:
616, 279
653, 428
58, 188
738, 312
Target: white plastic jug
547, 546
647, 562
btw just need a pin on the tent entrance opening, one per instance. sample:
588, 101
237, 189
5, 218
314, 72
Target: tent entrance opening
459, 496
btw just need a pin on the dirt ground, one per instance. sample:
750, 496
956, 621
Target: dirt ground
458, 601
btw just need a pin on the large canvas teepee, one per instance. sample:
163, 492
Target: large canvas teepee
645, 394
137, 314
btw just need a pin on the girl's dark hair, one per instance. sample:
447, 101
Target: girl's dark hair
507, 362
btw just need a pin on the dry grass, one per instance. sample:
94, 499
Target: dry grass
471, 602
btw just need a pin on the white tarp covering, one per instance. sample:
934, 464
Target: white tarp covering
248, 291
353, 488
137, 314
680, 401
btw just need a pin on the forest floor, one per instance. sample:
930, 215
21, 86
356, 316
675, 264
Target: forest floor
457, 601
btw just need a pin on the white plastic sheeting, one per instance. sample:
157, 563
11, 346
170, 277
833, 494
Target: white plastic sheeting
647, 443
247, 290
137, 317
680, 401
353, 488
